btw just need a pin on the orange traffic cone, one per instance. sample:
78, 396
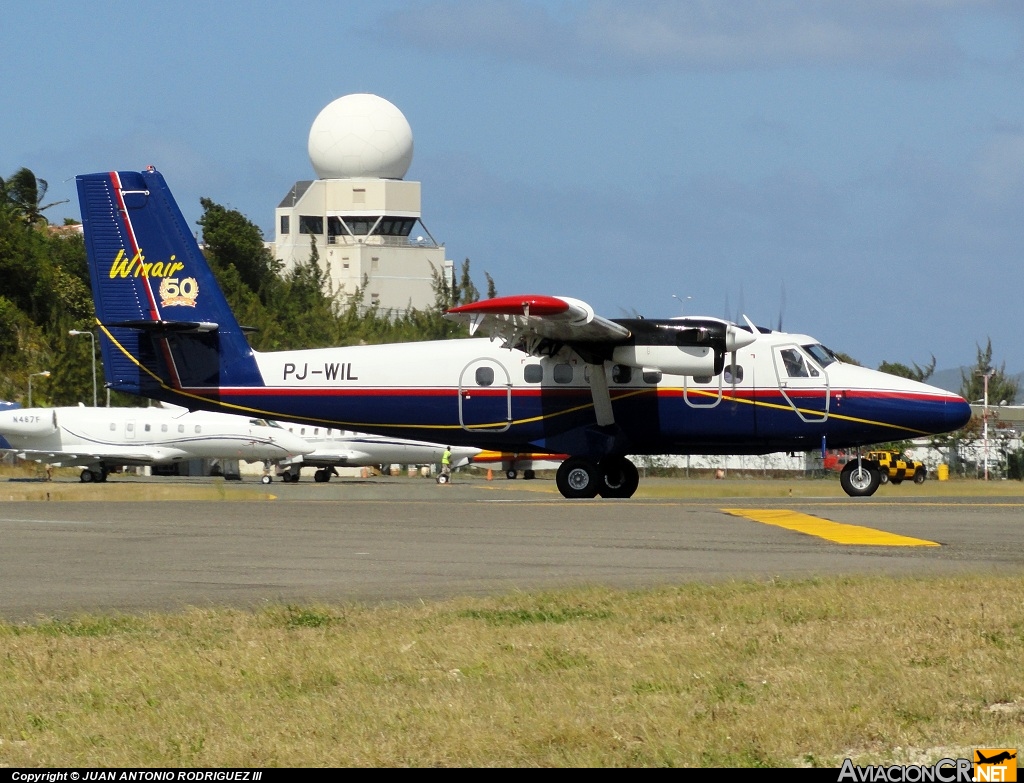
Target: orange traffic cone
490, 474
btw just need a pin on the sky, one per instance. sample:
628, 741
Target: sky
852, 170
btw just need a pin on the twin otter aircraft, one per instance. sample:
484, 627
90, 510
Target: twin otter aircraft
554, 377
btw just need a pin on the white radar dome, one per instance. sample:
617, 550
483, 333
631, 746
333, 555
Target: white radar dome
360, 135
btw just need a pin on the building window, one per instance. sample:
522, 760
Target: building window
374, 263
358, 195
285, 224
533, 373
563, 373
311, 224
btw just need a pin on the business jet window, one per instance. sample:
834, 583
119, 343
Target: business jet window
652, 376
563, 373
163, 428
129, 427
733, 374
112, 426
147, 428
622, 373
181, 428
199, 428
484, 376
533, 373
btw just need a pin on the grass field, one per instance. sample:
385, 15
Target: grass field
741, 674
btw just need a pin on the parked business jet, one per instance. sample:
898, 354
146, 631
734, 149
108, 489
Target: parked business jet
335, 448
554, 377
100, 439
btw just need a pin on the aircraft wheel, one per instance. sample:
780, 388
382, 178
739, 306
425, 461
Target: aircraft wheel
103, 475
529, 475
442, 478
920, 476
619, 478
578, 477
860, 481
321, 476
86, 476
266, 479
511, 474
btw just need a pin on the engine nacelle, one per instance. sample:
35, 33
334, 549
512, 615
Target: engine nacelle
28, 421
671, 359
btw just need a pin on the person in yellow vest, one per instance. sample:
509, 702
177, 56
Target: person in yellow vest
446, 465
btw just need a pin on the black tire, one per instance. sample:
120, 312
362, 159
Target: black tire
862, 481
86, 476
619, 478
321, 475
529, 475
920, 476
896, 482
578, 477
511, 474
883, 477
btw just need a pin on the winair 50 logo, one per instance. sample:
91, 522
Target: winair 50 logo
174, 291
997, 765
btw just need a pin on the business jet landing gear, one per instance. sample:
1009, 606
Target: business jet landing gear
89, 475
860, 478
613, 477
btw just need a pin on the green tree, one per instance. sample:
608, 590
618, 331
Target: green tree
26, 192
232, 240
915, 373
1001, 387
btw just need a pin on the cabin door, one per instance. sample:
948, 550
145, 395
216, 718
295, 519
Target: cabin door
485, 396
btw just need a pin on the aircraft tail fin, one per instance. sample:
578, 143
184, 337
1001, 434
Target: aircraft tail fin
165, 325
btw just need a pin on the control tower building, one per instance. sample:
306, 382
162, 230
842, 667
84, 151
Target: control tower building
364, 217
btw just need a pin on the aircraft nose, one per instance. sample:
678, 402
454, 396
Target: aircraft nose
958, 413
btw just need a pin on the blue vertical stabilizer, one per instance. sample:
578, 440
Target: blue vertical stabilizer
165, 325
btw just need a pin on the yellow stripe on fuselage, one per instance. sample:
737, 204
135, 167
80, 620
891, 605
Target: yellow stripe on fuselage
836, 532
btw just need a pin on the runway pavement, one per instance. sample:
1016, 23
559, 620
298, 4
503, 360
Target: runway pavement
403, 541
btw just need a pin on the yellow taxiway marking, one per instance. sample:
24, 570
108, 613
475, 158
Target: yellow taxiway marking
823, 528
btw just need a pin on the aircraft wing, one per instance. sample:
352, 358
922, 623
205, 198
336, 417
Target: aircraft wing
64, 459
534, 317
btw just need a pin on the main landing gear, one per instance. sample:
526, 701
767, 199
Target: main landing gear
612, 477
88, 475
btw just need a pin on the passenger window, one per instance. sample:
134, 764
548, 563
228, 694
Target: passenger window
733, 374
652, 376
163, 428
181, 428
199, 428
563, 373
147, 428
533, 373
484, 376
622, 373
112, 426
129, 427
702, 379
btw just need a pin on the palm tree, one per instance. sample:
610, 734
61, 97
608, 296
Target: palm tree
25, 192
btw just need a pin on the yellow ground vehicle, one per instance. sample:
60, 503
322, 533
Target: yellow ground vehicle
895, 466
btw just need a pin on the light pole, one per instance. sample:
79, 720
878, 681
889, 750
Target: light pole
44, 374
986, 374
92, 339
681, 303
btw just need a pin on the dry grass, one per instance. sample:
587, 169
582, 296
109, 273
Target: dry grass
770, 674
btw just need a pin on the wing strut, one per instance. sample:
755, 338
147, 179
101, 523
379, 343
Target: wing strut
602, 397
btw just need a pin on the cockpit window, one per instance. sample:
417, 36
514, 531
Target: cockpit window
822, 355
796, 364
